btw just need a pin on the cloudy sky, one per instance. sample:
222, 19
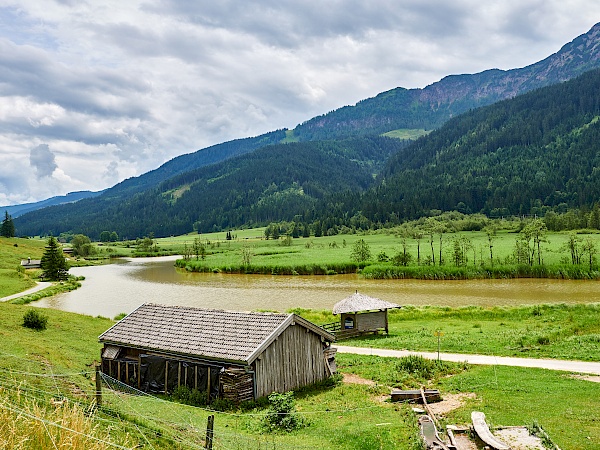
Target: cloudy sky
93, 92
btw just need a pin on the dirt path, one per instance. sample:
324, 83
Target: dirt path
592, 368
40, 285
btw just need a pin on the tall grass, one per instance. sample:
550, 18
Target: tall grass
561, 331
271, 269
27, 424
448, 272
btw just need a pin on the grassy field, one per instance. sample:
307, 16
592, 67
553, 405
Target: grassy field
12, 251
509, 396
543, 331
39, 368
407, 133
333, 254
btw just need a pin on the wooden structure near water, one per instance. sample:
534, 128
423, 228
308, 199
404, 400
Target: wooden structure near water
235, 355
360, 314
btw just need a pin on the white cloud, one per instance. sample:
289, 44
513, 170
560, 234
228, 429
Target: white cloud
114, 89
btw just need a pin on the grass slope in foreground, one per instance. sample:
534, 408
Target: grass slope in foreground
46, 382
47, 375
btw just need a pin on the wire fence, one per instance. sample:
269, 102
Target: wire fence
146, 420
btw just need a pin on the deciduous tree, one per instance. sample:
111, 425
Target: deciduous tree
360, 251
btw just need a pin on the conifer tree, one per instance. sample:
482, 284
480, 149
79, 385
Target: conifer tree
53, 261
8, 227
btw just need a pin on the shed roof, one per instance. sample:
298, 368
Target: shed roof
207, 333
360, 302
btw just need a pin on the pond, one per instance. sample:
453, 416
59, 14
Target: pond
123, 286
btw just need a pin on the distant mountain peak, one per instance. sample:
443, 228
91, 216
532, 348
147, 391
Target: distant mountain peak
431, 106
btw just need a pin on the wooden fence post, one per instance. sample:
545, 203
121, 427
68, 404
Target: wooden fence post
98, 386
209, 432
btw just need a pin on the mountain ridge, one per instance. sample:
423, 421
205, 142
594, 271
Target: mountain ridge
367, 118
432, 105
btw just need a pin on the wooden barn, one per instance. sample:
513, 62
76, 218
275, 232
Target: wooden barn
235, 355
360, 314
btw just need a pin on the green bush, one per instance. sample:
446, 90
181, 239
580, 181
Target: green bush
194, 397
35, 320
282, 413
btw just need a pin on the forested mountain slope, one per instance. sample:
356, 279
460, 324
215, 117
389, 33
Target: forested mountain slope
433, 105
191, 161
276, 182
19, 210
537, 151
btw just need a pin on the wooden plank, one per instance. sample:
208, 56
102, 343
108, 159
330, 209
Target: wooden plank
484, 433
430, 434
208, 387
166, 375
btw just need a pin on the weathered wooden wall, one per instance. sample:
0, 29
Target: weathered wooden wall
369, 321
293, 360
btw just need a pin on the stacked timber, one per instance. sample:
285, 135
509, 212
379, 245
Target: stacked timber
236, 385
329, 355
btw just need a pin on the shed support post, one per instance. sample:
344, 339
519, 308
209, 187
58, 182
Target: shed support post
386, 321
208, 387
166, 375
196, 377
179, 374
139, 374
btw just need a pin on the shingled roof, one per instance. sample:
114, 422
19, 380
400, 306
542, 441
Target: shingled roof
360, 302
207, 333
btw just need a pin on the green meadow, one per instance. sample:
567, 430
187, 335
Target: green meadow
12, 250
557, 331
250, 252
48, 380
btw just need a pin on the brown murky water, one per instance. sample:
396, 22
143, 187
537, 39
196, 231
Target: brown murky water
116, 288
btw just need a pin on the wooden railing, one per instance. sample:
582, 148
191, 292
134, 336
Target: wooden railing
333, 326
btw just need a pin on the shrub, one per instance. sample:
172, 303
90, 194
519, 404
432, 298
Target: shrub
222, 404
35, 320
282, 412
194, 397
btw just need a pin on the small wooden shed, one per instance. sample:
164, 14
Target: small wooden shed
360, 313
230, 354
